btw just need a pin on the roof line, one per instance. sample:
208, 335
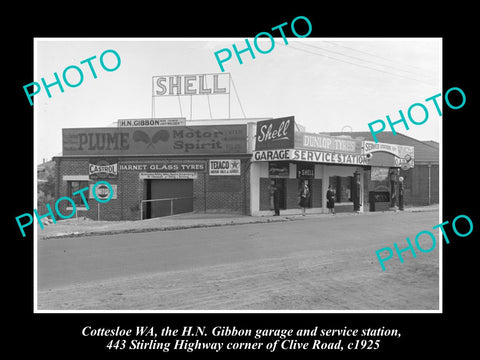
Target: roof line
397, 133
423, 142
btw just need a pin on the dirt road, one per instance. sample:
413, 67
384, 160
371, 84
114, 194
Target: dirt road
326, 263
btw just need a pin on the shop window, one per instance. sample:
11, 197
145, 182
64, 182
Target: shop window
342, 185
74, 186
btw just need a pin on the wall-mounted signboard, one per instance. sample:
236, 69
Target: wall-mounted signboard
175, 140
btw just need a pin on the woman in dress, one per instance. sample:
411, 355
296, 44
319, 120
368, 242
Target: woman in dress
304, 196
331, 200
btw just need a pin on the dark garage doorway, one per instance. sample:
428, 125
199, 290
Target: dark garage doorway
172, 196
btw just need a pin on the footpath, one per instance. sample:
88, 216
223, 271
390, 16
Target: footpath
87, 227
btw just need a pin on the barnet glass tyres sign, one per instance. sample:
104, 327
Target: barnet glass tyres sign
230, 139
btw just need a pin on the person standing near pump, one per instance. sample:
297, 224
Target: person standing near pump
331, 200
304, 196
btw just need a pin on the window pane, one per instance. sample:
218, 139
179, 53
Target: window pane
342, 186
74, 186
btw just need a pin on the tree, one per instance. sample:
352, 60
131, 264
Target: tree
46, 183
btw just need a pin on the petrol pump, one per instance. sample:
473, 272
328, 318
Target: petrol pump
356, 191
400, 193
393, 182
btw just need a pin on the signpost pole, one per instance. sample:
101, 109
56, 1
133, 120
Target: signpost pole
400, 193
229, 87
153, 100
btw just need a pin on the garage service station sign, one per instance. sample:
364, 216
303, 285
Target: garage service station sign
168, 140
309, 156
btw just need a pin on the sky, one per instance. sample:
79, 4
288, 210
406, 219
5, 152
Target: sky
328, 84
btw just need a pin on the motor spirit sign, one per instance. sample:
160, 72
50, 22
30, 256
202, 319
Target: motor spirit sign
176, 140
275, 133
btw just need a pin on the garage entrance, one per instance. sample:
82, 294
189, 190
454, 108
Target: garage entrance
168, 197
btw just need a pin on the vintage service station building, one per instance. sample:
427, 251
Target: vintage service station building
167, 166
164, 166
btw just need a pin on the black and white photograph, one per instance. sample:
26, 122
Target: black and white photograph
265, 174
227, 180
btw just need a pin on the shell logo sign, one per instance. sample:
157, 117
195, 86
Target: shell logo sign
275, 133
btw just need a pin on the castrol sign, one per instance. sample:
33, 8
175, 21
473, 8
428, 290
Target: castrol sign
275, 133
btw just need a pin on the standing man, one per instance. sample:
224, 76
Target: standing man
275, 193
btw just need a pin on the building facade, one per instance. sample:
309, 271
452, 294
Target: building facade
422, 182
157, 171
363, 174
229, 167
